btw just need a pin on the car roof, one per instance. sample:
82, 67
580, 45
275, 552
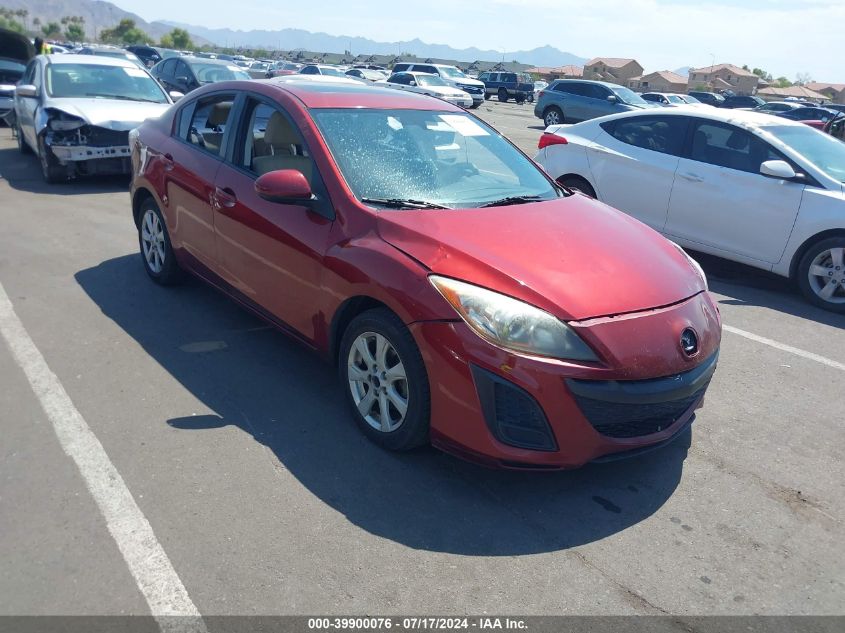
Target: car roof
206, 60
348, 94
607, 84
92, 60
742, 118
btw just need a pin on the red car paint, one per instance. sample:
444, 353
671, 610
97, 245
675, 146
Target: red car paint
628, 292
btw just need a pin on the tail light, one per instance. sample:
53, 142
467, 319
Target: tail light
541, 93
547, 138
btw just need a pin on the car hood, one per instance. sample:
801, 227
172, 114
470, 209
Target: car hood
574, 257
111, 114
467, 81
15, 46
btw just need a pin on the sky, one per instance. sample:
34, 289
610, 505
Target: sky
784, 37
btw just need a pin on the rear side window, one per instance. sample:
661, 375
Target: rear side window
422, 68
564, 87
664, 134
209, 122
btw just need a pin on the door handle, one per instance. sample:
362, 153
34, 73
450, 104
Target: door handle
691, 177
225, 197
167, 159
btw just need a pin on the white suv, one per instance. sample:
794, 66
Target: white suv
451, 75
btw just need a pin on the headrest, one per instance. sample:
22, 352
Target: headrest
279, 132
738, 140
219, 114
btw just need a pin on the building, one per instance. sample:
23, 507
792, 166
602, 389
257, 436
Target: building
613, 69
547, 73
798, 92
834, 92
720, 77
660, 81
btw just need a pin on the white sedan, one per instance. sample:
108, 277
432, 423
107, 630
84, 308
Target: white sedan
426, 84
750, 187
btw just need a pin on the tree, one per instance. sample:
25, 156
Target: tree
52, 30
8, 21
782, 82
179, 39
166, 41
802, 79
125, 33
74, 27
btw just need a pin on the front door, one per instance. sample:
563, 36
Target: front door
721, 200
634, 161
272, 253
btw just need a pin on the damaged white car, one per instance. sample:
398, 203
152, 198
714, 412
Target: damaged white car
75, 113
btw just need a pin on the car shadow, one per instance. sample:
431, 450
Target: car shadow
748, 286
262, 382
23, 173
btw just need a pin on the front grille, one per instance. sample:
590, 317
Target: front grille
621, 420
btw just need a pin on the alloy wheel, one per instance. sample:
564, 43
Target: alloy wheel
827, 275
152, 240
378, 382
552, 118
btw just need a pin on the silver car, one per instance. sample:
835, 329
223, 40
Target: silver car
75, 112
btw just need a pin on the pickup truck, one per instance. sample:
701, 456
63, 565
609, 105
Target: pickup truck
516, 86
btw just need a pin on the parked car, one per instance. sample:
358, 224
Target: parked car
822, 115
710, 98
776, 107
321, 69
505, 85
737, 101
75, 112
377, 226
15, 52
710, 179
111, 51
365, 74
451, 75
688, 99
838, 107
570, 100
257, 70
283, 68
836, 126
147, 54
663, 98
431, 85
184, 74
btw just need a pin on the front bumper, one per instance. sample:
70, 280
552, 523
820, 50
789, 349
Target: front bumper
509, 410
462, 102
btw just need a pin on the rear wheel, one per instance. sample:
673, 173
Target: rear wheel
503, 95
51, 170
576, 183
553, 116
385, 380
821, 274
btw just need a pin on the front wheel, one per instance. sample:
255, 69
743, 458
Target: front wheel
22, 144
503, 95
156, 250
576, 183
385, 380
821, 274
51, 170
553, 116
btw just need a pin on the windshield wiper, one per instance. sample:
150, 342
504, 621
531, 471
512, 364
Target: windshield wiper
403, 203
512, 200
121, 97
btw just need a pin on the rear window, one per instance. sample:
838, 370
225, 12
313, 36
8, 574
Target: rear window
664, 134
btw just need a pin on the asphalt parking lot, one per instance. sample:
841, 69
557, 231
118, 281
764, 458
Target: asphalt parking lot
265, 499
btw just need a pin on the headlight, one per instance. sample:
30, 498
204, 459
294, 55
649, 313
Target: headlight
65, 124
510, 323
696, 266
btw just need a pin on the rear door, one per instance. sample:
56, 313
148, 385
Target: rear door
634, 161
191, 167
720, 199
271, 253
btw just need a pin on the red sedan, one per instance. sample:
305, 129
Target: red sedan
467, 299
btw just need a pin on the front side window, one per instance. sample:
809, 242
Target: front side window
822, 150
626, 95
664, 134
729, 146
400, 78
272, 142
209, 122
103, 82
448, 71
430, 80
210, 73
441, 158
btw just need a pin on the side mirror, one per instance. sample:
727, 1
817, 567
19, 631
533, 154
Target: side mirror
779, 169
412, 83
612, 98
285, 186
176, 95
26, 90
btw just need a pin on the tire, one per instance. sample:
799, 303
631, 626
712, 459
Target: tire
475, 105
486, 95
51, 170
502, 95
822, 271
576, 183
553, 116
395, 431
531, 98
22, 145
154, 244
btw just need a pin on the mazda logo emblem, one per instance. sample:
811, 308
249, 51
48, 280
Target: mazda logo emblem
689, 342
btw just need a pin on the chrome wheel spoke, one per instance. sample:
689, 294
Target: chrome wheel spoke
364, 350
836, 257
382, 347
399, 403
356, 374
827, 291
397, 372
820, 271
365, 406
384, 411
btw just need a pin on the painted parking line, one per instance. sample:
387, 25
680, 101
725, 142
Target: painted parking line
147, 561
786, 348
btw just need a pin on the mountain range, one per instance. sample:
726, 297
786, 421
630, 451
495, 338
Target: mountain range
100, 15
